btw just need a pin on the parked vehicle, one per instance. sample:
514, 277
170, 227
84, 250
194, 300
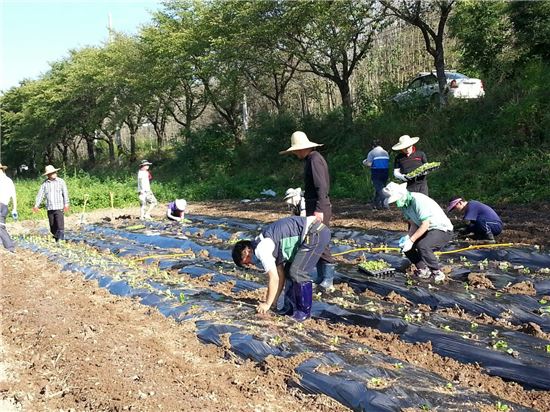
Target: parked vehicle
424, 88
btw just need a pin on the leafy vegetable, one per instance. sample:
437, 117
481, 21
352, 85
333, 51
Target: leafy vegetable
423, 169
374, 265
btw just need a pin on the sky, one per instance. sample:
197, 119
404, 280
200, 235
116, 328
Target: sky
36, 32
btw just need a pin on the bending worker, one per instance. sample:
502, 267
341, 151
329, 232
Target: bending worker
289, 247
176, 210
429, 229
482, 220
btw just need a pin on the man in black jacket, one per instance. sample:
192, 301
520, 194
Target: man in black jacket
316, 188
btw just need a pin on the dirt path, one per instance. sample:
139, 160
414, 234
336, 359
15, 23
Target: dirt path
69, 345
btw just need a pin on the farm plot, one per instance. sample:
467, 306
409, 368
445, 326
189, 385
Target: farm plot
374, 344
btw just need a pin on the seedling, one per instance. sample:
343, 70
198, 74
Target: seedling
446, 328
399, 365
425, 407
377, 382
501, 407
504, 265
450, 386
276, 340
525, 271
548, 348
498, 294
543, 301
423, 169
334, 341
409, 282
182, 297
494, 333
500, 345
473, 325
466, 286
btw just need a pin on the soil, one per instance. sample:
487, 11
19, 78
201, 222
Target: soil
480, 281
70, 344
521, 288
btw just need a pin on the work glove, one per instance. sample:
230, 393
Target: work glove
403, 240
408, 245
14, 215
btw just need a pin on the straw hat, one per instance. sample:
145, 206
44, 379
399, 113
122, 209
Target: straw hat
145, 163
181, 204
49, 170
405, 141
3, 167
394, 192
299, 141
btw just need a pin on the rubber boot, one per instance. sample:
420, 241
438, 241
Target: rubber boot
288, 300
490, 237
303, 296
326, 273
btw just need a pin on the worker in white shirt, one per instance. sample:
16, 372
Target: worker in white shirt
7, 193
147, 199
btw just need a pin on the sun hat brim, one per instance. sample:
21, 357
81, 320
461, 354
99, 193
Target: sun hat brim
393, 192
404, 145
49, 172
3, 167
307, 145
453, 204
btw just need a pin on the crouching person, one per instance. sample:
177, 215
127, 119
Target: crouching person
289, 247
176, 210
429, 229
481, 220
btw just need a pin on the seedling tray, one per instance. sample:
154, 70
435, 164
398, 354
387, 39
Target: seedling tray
428, 170
382, 273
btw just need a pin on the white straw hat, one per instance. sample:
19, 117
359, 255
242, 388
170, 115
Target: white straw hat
394, 192
405, 141
299, 141
181, 204
3, 167
49, 170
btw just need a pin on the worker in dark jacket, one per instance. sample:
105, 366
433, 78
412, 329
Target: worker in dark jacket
316, 188
482, 220
409, 159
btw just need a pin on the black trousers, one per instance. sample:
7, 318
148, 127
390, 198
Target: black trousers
309, 253
422, 253
418, 186
57, 224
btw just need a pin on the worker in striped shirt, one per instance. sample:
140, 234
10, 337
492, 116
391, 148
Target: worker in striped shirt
54, 190
379, 162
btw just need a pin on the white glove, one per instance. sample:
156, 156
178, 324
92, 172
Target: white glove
402, 240
398, 175
408, 245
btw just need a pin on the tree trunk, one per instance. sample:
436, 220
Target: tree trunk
439, 62
347, 107
133, 156
90, 148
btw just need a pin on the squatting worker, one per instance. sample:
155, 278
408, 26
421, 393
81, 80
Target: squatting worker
379, 162
176, 210
409, 159
317, 200
429, 229
481, 219
287, 247
7, 194
147, 199
55, 191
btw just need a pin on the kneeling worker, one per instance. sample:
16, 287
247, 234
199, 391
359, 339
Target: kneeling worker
176, 210
483, 221
289, 247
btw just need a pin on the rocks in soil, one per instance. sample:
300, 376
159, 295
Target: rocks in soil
397, 298
533, 329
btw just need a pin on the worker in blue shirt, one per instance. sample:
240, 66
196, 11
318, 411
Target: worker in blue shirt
379, 162
483, 222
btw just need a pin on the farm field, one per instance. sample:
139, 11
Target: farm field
130, 315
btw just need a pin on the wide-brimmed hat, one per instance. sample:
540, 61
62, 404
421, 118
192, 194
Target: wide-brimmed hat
299, 141
292, 192
453, 202
405, 141
394, 191
3, 167
49, 170
145, 163
181, 204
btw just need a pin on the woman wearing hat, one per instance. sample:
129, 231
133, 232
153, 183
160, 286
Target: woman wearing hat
176, 210
147, 199
316, 188
429, 229
408, 160
55, 191
7, 194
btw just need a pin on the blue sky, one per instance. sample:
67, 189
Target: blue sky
36, 32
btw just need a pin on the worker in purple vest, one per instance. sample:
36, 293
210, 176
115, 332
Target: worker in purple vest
176, 210
482, 221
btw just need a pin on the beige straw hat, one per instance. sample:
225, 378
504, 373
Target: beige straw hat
49, 170
405, 141
299, 141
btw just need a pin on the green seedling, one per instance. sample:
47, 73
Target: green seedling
504, 265
377, 382
463, 259
399, 365
468, 264
525, 271
182, 297
449, 386
498, 294
374, 265
500, 345
548, 348
494, 333
276, 340
446, 328
425, 407
422, 169
501, 407
545, 309
543, 301
409, 282
466, 286
335, 340
473, 325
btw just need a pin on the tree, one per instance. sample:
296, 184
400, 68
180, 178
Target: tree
531, 22
331, 38
418, 13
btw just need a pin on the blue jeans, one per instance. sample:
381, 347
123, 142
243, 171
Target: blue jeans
379, 178
482, 226
4, 236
